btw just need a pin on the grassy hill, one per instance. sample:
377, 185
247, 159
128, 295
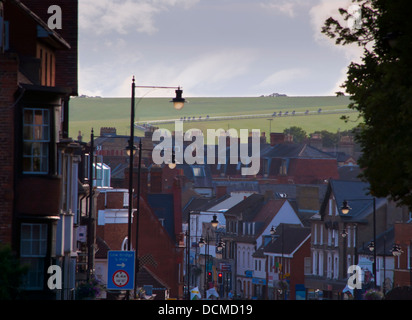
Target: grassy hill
88, 113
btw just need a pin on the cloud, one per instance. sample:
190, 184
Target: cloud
285, 7
283, 77
124, 16
207, 72
217, 67
318, 15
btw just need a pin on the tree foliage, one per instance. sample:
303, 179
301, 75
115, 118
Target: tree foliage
297, 132
11, 274
381, 90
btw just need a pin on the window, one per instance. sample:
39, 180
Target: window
33, 249
336, 237
321, 234
315, 233
36, 140
315, 262
198, 171
329, 237
329, 266
336, 267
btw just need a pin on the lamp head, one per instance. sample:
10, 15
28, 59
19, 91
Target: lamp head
128, 148
345, 207
272, 230
214, 221
178, 102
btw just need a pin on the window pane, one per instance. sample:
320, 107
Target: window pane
38, 133
25, 248
27, 164
28, 117
35, 277
27, 149
46, 117
36, 165
36, 149
27, 133
44, 164
38, 117
25, 231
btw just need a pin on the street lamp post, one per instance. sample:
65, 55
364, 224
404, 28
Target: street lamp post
214, 224
203, 242
272, 232
372, 246
178, 103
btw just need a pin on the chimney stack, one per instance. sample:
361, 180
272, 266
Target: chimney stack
276, 138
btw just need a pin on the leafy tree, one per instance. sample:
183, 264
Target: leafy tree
297, 132
329, 139
381, 90
11, 274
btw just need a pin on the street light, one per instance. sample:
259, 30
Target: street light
214, 221
345, 210
396, 250
345, 207
214, 224
272, 231
178, 103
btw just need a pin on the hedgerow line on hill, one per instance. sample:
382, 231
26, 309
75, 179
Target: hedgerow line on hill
141, 124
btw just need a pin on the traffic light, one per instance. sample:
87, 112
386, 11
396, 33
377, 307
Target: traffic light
209, 277
220, 278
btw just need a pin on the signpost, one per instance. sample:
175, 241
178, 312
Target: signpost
120, 270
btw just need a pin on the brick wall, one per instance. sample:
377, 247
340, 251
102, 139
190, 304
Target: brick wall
66, 61
8, 86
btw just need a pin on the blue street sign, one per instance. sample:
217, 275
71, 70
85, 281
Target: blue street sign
120, 270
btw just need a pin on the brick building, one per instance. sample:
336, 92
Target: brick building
160, 223
39, 160
403, 262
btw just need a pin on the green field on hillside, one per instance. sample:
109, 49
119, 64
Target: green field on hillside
88, 113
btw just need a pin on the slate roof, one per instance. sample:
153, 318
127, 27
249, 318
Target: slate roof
200, 204
247, 209
384, 242
163, 207
293, 236
294, 150
357, 195
349, 172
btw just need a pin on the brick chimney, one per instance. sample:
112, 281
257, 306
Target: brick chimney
276, 138
221, 191
156, 183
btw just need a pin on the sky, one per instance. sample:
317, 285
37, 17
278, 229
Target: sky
210, 48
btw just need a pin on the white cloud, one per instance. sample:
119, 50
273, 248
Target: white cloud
285, 7
318, 15
283, 77
217, 67
124, 16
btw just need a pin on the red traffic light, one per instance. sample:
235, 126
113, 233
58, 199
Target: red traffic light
220, 278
